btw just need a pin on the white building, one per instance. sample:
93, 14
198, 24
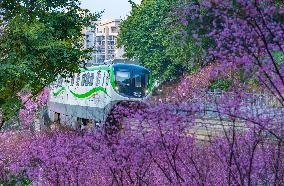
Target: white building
103, 39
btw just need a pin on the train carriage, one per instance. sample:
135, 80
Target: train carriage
91, 94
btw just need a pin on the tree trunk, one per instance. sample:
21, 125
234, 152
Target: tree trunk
1, 121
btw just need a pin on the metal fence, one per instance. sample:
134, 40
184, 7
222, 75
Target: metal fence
252, 99
209, 103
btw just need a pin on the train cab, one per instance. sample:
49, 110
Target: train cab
132, 81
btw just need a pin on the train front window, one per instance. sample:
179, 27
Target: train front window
131, 81
123, 78
137, 81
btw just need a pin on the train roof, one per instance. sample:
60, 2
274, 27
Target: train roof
115, 65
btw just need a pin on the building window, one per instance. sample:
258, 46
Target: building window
110, 47
110, 42
114, 29
100, 38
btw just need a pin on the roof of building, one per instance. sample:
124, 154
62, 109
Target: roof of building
107, 21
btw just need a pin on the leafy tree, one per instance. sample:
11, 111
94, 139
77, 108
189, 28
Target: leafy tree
161, 150
41, 40
151, 34
172, 143
279, 2
209, 21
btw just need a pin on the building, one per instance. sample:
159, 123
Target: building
103, 39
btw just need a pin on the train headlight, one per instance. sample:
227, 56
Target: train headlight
146, 92
116, 88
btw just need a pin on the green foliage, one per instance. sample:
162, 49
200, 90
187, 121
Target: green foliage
41, 39
278, 56
152, 34
19, 180
221, 84
279, 2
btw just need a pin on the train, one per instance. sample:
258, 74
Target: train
89, 96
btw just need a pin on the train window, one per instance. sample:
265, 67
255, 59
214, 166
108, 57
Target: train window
91, 79
104, 79
72, 80
83, 81
78, 79
123, 77
67, 81
107, 78
98, 80
87, 79
137, 82
147, 79
60, 82
52, 85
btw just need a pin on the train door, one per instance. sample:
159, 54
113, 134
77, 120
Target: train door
57, 117
84, 124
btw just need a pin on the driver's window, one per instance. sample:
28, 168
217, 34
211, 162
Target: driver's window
138, 82
123, 77
146, 79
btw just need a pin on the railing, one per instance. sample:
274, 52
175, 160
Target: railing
210, 103
214, 98
253, 99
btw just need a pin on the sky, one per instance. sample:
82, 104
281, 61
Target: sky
114, 9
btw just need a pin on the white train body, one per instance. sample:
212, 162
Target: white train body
94, 91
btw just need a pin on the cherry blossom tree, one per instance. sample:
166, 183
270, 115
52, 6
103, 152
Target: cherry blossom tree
175, 143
